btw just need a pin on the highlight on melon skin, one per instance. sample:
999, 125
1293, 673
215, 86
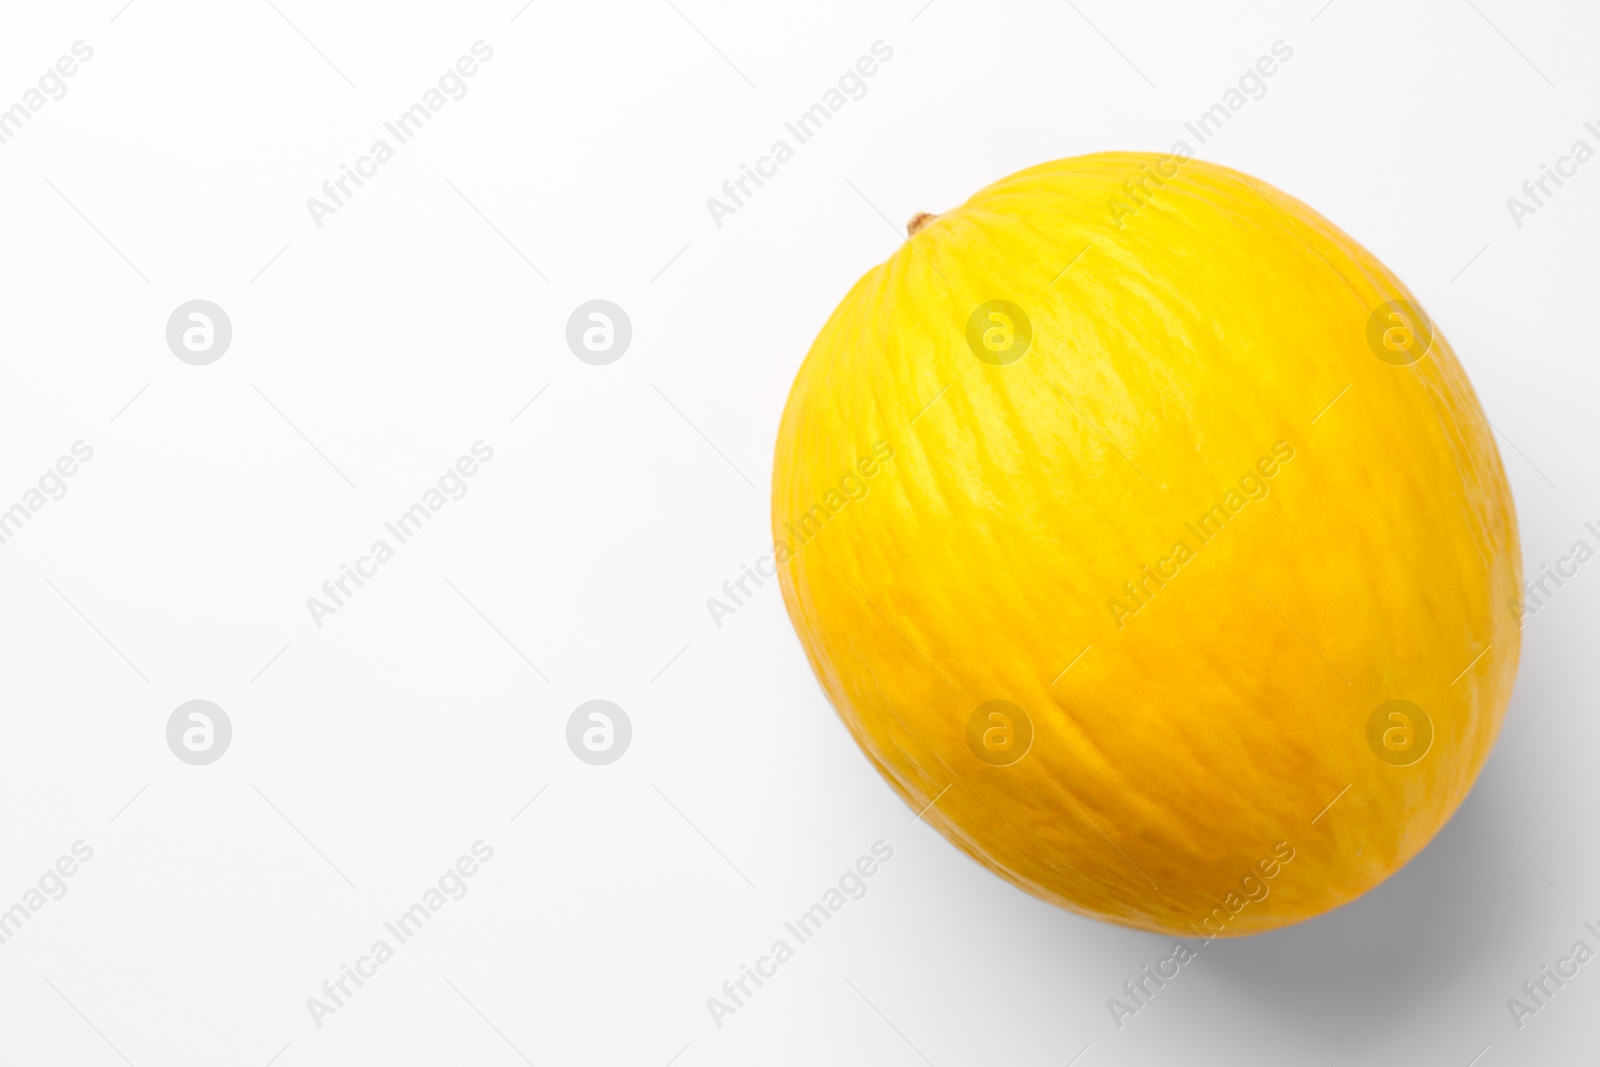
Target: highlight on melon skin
1186, 592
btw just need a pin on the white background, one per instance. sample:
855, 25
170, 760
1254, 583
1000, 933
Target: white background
370, 353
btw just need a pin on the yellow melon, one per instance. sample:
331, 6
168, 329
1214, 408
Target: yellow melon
1149, 539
